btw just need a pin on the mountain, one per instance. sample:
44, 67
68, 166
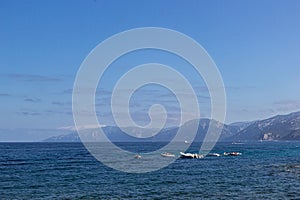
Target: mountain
227, 131
71, 137
280, 127
241, 125
115, 134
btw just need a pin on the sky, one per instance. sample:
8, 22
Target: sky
255, 44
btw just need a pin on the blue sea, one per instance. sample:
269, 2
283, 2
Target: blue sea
265, 170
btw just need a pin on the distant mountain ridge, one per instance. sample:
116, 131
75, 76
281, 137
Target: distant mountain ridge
280, 127
115, 134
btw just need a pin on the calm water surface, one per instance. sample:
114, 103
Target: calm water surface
266, 170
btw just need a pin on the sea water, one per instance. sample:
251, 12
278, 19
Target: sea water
265, 170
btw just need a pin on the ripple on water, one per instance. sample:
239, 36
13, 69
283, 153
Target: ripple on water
68, 171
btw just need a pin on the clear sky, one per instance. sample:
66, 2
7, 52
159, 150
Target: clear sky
255, 44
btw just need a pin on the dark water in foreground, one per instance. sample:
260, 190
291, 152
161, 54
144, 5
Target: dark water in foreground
267, 170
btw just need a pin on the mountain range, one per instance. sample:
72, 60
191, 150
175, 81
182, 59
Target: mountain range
280, 127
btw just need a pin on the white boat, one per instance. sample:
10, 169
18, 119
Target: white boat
237, 143
166, 154
137, 156
190, 155
214, 154
232, 153
186, 142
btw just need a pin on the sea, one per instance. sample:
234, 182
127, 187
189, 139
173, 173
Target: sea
265, 170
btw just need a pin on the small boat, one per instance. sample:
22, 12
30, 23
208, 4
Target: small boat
186, 142
214, 154
190, 155
232, 154
166, 154
237, 143
235, 154
137, 156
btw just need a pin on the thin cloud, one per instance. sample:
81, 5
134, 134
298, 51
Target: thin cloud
33, 100
27, 113
4, 95
57, 112
87, 91
287, 105
58, 103
33, 78
240, 88
67, 91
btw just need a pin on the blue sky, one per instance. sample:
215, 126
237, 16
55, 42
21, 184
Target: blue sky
255, 44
